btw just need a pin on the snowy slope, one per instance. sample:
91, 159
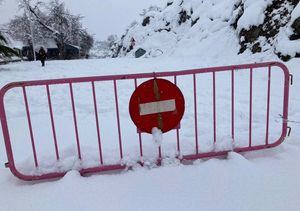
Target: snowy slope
196, 25
216, 28
266, 180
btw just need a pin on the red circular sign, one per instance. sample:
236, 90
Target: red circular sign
156, 103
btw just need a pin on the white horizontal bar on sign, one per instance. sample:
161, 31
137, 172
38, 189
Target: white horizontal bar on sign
157, 107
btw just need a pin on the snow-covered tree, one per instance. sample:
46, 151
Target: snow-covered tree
21, 28
66, 28
86, 42
105, 48
43, 21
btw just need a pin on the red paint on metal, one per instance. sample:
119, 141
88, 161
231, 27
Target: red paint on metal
214, 107
146, 93
118, 119
177, 129
195, 114
139, 132
52, 122
75, 120
268, 104
250, 107
232, 104
97, 123
30, 127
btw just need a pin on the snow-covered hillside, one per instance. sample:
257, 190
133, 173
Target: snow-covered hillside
214, 28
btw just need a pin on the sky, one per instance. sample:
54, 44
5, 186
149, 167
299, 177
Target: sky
101, 17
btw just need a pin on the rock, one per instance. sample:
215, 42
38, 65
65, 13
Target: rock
250, 36
139, 53
296, 28
194, 21
146, 21
277, 15
284, 58
256, 48
183, 17
169, 3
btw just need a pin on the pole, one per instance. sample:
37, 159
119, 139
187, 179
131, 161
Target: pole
78, 43
31, 29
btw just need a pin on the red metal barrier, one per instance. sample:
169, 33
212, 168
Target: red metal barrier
134, 77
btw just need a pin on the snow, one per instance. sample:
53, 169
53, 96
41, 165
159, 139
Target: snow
46, 44
208, 29
266, 180
206, 32
253, 13
296, 13
18, 44
75, 46
261, 180
157, 136
108, 126
165, 34
285, 45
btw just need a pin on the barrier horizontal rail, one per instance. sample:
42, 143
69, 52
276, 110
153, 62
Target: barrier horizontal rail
102, 166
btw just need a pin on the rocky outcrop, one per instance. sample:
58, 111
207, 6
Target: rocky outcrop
265, 35
255, 26
296, 29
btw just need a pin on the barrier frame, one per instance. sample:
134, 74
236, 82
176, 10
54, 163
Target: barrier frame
115, 78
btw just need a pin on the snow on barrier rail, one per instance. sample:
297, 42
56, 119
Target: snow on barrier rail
53, 126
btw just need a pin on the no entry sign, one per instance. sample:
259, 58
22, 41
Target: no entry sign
156, 103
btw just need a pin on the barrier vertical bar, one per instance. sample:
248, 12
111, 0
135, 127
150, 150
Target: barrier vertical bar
118, 119
52, 122
5, 131
75, 121
214, 106
268, 104
97, 123
30, 127
285, 99
139, 132
195, 112
232, 104
177, 129
250, 108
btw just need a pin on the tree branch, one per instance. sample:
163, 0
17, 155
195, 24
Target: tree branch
38, 19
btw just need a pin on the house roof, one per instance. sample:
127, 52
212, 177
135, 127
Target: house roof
75, 46
46, 44
11, 42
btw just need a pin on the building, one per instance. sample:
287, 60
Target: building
52, 50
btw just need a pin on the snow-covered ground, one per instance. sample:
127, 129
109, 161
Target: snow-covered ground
264, 180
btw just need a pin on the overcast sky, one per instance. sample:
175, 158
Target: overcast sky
101, 17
